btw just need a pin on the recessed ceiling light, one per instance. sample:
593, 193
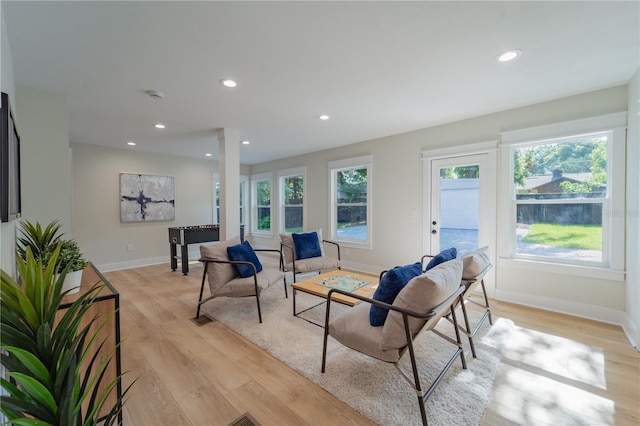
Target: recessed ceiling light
509, 55
131, 143
245, 142
323, 117
227, 82
207, 155
159, 126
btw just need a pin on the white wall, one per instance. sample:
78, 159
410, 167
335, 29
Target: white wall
46, 167
96, 204
633, 208
397, 171
7, 230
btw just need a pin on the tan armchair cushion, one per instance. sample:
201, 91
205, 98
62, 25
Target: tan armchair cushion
475, 262
287, 252
421, 295
354, 330
314, 264
242, 287
219, 273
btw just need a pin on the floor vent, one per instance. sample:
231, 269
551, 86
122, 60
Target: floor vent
245, 420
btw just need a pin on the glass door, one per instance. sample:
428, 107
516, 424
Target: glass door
456, 212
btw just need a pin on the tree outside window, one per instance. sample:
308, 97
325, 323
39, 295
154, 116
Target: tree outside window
560, 194
263, 205
351, 203
293, 203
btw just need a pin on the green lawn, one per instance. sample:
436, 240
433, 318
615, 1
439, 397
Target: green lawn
587, 237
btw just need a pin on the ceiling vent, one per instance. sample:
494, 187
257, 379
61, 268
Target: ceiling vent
154, 94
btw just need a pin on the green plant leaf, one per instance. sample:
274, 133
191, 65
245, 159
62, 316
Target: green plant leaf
43, 344
37, 239
36, 390
32, 364
30, 422
28, 406
12, 389
12, 336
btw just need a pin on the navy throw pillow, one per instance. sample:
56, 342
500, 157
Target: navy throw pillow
389, 286
307, 245
244, 252
443, 256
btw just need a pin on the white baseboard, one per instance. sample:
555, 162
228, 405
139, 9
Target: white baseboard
108, 267
598, 313
361, 267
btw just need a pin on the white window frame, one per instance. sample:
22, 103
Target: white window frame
214, 214
244, 181
282, 175
342, 165
255, 179
613, 224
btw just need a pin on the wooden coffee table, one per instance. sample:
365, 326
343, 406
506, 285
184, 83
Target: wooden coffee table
341, 278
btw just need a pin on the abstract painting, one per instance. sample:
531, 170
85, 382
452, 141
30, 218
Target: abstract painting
146, 198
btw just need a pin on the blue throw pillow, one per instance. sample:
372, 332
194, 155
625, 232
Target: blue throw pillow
307, 245
443, 256
390, 285
244, 252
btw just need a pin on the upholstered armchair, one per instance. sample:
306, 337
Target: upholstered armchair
233, 269
475, 265
304, 252
418, 307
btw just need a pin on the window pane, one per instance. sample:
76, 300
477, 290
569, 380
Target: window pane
293, 219
264, 218
459, 208
241, 203
352, 222
561, 231
293, 190
575, 168
352, 186
263, 191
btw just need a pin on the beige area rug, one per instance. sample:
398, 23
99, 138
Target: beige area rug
372, 387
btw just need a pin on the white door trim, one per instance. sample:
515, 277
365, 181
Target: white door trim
488, 196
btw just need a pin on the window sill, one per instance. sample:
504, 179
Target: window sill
262, 234
564, 269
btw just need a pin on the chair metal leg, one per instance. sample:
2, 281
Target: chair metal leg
467, 329
286, 293
259, 312
486, 301
204, 274
326, 334
455, 326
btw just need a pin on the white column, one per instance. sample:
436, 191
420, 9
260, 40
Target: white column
229, 175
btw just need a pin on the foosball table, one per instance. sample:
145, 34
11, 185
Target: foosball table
184, 235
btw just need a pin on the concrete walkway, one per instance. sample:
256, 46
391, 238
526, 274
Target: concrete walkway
466, 240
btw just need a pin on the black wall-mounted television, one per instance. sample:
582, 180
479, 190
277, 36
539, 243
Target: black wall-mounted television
10, 195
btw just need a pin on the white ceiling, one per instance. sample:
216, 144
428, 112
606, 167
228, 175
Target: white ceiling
377, 68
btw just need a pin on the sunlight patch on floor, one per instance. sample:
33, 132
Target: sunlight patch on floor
555, 355
566, 377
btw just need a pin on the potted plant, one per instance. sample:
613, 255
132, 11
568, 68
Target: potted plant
42, 242
50, 356
38, 239
70, 260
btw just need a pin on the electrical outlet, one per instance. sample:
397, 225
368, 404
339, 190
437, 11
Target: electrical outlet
129, 247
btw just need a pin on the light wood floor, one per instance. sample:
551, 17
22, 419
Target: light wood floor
558, 369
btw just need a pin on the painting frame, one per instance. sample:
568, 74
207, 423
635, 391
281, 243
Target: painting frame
147, 198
